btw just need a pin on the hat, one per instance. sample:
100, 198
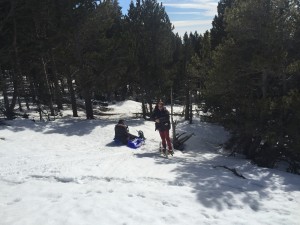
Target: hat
121, 122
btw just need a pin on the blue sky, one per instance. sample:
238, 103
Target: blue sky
186, 15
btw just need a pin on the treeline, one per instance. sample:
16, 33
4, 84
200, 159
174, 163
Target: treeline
245, 71
53, 51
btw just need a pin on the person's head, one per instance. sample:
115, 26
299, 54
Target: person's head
160, 105
121, 122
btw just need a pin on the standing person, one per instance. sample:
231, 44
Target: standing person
161, 116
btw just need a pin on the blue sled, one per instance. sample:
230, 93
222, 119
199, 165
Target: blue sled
135, 143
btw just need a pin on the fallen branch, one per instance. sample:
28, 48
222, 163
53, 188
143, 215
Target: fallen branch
178, 142
179, 135
233, 170
185, 138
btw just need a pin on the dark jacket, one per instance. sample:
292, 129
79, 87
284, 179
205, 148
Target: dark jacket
122, 133
164, 119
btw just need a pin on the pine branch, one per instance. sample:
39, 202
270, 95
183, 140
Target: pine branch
233, 170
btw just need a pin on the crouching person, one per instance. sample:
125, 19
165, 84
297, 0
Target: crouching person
122, 133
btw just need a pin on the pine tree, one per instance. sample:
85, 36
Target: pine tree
218, 32
151, 39
248, 85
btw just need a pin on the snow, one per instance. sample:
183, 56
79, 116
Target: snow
69, 172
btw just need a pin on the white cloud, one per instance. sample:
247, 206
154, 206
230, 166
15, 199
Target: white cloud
190, 1
184, 13
185, 23
201, 26
199, 15
209, 7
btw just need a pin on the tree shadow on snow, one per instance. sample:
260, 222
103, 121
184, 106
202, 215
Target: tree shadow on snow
154, 155
219, 188
68, 127
146, 155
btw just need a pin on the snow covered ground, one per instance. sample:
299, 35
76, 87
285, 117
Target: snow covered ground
68, 172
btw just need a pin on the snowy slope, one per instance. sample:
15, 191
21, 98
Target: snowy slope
68, 172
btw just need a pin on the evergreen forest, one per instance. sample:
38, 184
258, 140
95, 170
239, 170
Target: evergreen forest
244, 72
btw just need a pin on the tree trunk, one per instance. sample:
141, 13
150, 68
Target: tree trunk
172, 120
9, 107
151, 107
62, 87
32, 91
264, 84
72, 95
48, 91
143, 108
25, 87
88, 104
264, 95
56, 84
20, 104
284, 86
17, 74
191, 109
85, 90
187, 103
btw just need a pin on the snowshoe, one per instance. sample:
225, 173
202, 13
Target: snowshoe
171, 152
165, 153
